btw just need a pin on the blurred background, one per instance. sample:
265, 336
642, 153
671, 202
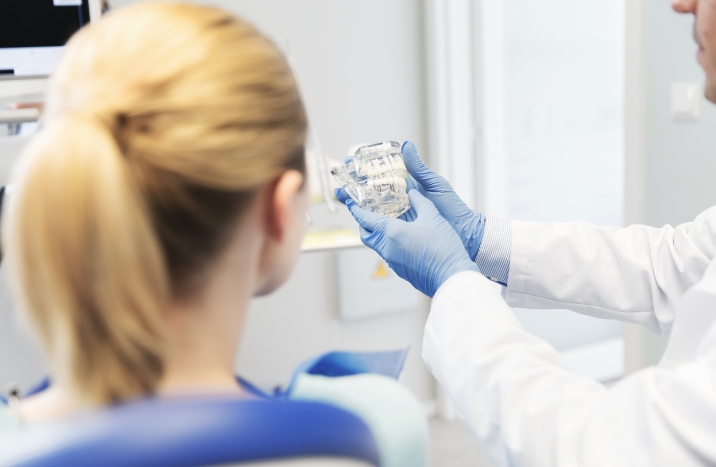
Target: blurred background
540, 110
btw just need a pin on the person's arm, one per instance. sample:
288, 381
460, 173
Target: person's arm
635, 274
513, 388
528, 409
493, 257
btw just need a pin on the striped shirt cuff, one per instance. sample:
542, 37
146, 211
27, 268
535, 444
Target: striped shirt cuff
493, 257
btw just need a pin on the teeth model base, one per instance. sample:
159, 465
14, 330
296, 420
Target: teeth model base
376, 179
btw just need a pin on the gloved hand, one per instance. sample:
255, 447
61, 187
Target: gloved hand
425, 252
468, 224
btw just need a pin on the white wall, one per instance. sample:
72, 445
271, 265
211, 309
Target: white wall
561, 157
563, 72
680, 155
361, 69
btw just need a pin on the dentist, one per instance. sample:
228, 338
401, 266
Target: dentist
513, 388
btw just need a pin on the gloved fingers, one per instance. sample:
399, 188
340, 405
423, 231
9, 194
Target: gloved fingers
414, 185
408, 216
369, 239
341, 195
423, 207
421, 172
348, 160
364, 234
370, 221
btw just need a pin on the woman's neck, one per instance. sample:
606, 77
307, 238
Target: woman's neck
205, 331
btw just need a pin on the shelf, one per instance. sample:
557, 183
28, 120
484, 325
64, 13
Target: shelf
330, 239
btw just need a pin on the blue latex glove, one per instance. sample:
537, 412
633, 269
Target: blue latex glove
468, 224
424, 252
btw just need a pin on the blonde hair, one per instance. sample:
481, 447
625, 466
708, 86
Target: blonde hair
163, 120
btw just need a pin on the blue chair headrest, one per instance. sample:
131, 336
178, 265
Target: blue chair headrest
186, 432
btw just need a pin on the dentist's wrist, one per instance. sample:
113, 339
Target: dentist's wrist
473, 235
493, 257
462, 266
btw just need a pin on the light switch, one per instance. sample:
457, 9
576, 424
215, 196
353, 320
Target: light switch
686, 101
368, 288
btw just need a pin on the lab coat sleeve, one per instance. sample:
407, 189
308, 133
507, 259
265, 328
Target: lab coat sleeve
493, 257
528, 409
635, 274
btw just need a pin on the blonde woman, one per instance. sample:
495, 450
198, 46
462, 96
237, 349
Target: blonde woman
166, 190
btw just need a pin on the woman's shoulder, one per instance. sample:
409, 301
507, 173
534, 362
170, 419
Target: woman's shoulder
394, 415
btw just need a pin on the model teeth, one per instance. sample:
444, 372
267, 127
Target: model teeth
378, 167
382, 166
376, 178
390, 179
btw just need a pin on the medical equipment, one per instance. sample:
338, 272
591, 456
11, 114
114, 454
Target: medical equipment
380, 158
376, 179
33, 33
32, 37
14, 119
323, 231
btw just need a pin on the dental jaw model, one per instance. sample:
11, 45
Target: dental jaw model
376, 179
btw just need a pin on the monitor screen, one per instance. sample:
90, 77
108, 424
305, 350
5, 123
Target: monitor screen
33, 33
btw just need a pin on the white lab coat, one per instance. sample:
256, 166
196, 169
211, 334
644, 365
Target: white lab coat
516, 393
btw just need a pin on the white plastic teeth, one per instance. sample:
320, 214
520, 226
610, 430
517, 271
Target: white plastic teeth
396, 183
376, 179
381, 165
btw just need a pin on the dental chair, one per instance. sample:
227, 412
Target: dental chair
193, 432
286, 428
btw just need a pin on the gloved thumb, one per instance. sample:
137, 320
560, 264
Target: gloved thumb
341, 195
416, 166
369, 220
423, 206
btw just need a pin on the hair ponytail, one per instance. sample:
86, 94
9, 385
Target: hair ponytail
150, 158
88, 262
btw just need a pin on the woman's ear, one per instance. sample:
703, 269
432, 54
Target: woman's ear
286, 201
283, 202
